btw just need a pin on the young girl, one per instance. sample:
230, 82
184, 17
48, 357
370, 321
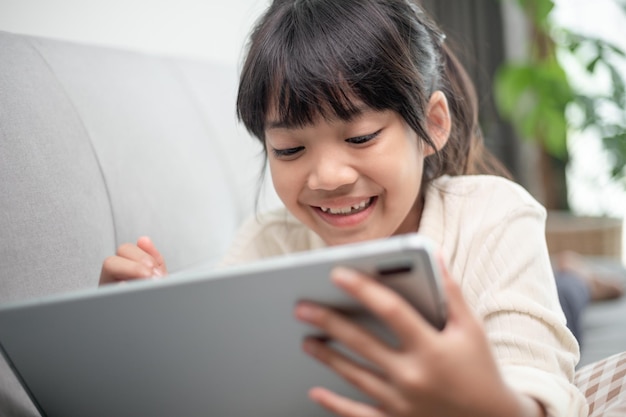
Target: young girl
370, 128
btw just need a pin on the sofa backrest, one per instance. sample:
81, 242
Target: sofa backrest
99, 146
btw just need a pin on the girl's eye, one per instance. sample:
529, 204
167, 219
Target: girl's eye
359, 140
286, 153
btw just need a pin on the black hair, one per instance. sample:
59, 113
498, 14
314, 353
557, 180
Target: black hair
312, 58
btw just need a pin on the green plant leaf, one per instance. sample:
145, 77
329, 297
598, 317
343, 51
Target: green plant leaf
588, 105
539, 10
534, 99
534, 95
591, 67
619, 90
511, 81
616, 145
554, 125
615, 49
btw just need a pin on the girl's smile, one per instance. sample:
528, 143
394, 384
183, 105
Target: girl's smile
347, 214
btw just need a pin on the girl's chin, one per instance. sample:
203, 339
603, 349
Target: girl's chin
346, 241
336, 238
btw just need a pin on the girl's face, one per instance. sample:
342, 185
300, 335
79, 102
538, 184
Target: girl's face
350, 181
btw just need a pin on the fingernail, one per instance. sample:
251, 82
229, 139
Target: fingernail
148, 262
157, 272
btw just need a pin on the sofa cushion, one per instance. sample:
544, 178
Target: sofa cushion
156, 150
604, 385
55, 215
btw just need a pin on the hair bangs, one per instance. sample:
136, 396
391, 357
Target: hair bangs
315, 66
302, 93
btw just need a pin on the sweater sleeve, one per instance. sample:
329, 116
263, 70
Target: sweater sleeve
510, 282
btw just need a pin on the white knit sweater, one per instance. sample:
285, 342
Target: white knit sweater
491, 233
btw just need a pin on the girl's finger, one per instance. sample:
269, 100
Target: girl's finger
117, 268
146, 244
343, 406
342, 329
365, 380
407, 324
457, 307
134, 253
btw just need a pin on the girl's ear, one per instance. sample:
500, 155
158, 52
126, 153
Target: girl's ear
438, 122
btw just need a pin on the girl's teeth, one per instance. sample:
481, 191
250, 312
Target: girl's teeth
346, 210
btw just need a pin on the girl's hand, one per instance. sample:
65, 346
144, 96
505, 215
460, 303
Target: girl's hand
142, 260
432, 373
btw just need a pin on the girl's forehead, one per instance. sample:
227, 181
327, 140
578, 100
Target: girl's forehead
284, 117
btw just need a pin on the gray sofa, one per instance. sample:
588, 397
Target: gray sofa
99, 146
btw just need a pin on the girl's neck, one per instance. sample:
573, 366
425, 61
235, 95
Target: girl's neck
412, 221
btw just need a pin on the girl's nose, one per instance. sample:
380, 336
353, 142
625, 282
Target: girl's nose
330, 172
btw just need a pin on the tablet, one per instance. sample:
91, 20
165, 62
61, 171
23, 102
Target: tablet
204, 343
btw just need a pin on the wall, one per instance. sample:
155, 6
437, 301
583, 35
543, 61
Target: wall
193, 28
